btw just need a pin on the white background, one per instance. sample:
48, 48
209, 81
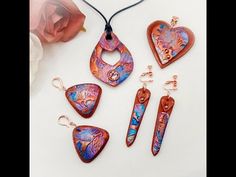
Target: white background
184, 146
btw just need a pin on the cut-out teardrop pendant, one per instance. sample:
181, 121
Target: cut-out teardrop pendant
112, 75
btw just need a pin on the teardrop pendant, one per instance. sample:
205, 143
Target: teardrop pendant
112, 75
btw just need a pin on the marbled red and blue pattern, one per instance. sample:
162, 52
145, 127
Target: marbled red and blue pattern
136, 119
159, 132
89, 141
84, 98
168, 41
140, 105
112, 75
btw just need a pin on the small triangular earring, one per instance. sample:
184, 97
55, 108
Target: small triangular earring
89, 141
84, 98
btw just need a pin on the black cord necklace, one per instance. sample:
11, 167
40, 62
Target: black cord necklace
112, 75
108, 27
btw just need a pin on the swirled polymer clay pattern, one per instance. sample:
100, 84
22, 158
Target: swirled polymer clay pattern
84, 98
89, 141
111, 74
163, 118
135, 122
169, 41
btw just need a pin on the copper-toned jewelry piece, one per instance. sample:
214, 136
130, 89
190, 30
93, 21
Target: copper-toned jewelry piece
112, 75
164, 111
140, 105
168, 43
84, 98
89, 141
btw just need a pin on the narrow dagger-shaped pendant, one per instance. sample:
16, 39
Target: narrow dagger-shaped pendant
164, 111
140, 105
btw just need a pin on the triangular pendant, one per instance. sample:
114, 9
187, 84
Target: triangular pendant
112, 75
89, 141
84, 98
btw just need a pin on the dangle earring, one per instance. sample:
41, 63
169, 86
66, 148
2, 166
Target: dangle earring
84, 98
89, 141
164, 111
140, 105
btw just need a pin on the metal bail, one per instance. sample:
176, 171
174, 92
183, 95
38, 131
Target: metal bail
174, 21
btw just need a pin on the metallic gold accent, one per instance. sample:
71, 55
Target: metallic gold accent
174, 85
113, 75
174, 21
149, 74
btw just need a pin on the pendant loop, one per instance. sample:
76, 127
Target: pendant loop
57, 83
108, 30
174, 21
65, 121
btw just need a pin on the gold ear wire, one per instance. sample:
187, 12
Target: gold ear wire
174, 85
65, 121
149, 74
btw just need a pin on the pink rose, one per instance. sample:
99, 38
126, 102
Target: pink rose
55, 20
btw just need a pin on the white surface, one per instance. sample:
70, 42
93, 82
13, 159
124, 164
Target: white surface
183, 150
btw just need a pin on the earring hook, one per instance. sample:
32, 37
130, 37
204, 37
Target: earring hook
173, 84
148, 74
57, 83
65, 121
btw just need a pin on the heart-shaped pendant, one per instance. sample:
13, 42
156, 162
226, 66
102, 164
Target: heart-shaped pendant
89, 141
169, 43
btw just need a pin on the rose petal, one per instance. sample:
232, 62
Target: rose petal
36, 54
35, 15
75, 26
60, 20
76, 21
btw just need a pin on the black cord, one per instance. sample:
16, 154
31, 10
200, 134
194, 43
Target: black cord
108, 27
96, 10
121, 10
